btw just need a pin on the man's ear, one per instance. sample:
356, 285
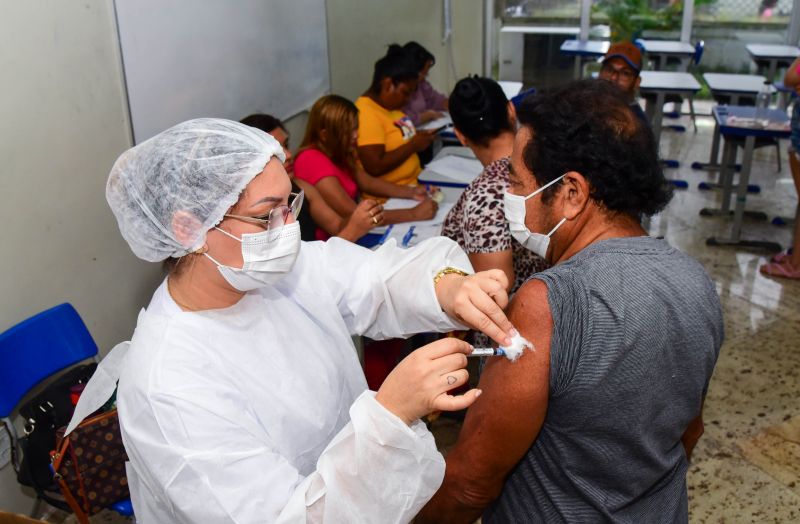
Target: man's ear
185, 226
512, 114
575, 194
461, 138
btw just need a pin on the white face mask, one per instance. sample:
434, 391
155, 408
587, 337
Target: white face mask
515, 214
267, 256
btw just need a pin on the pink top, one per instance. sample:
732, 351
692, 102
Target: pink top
425, 98
312, 166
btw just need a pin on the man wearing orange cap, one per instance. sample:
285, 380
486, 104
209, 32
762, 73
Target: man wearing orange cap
621, 66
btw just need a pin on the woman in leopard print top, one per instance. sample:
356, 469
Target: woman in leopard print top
484, 121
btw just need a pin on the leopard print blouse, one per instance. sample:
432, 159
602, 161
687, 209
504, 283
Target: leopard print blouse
477, 222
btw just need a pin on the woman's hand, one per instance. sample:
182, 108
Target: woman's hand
420, 382
425, 210
478, 301
422, 139
417, 193
365, 216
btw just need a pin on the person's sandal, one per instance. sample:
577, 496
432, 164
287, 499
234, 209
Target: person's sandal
780, 270
783, 255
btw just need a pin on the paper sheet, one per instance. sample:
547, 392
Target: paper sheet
444, 120
456, 167
770, 125
404, 203
423, 229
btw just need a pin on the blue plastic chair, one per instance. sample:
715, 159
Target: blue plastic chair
699, 46
519, 97
38, 348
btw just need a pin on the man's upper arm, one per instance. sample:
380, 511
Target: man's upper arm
504, 422
512, 407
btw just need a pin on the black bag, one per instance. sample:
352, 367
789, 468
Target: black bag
44, 414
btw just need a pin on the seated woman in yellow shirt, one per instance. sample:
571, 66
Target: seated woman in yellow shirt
387, 140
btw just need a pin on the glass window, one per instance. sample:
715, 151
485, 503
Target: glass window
766, 12
632, 19
727, 26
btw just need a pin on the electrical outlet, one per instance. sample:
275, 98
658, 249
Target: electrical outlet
5, 447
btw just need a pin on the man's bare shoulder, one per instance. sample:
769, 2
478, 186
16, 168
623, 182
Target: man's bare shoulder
529, 305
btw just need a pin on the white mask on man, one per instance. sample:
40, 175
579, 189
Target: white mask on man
515, 215
267, 256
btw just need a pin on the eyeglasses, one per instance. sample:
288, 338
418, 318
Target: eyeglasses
278, 215
624, 72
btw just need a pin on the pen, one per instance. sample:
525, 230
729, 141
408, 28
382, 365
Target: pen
408, 236
487, 352
385, 234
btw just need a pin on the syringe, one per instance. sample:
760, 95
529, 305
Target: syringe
487, 352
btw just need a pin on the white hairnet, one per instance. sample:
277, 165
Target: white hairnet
186, 177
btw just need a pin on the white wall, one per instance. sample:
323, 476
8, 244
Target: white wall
63, 122
359, 33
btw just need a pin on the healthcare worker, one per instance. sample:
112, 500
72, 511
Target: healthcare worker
240, 396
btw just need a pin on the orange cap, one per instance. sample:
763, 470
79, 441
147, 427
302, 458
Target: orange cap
626, 51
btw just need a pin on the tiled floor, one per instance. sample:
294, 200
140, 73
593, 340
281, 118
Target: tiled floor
746, 467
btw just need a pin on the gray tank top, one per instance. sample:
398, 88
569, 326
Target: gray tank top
637, 331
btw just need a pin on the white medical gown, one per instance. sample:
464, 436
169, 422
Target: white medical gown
260, 412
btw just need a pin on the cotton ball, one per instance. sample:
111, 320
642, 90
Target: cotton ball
517, 346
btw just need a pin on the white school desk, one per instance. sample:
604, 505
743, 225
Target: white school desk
772, 54
732, 87
584, 51
731, 132
660, 84
659, 50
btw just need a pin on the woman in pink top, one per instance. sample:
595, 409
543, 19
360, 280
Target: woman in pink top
327, 160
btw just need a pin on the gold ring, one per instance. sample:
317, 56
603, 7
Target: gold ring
375, 221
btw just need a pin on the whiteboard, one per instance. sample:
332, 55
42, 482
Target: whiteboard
220, 58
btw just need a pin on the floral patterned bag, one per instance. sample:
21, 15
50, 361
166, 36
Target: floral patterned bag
89, 465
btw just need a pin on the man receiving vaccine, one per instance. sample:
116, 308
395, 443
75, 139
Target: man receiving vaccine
598, 422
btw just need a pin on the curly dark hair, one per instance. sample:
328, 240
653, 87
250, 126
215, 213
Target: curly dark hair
587, 126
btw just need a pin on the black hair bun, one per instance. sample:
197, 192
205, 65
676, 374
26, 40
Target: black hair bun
471, 95
394, 50
479, 109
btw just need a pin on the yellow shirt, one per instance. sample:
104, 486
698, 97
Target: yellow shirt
392, 129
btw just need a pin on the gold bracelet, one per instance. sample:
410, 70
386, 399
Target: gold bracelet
448, 271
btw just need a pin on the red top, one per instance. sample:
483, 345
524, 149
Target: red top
312, 166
